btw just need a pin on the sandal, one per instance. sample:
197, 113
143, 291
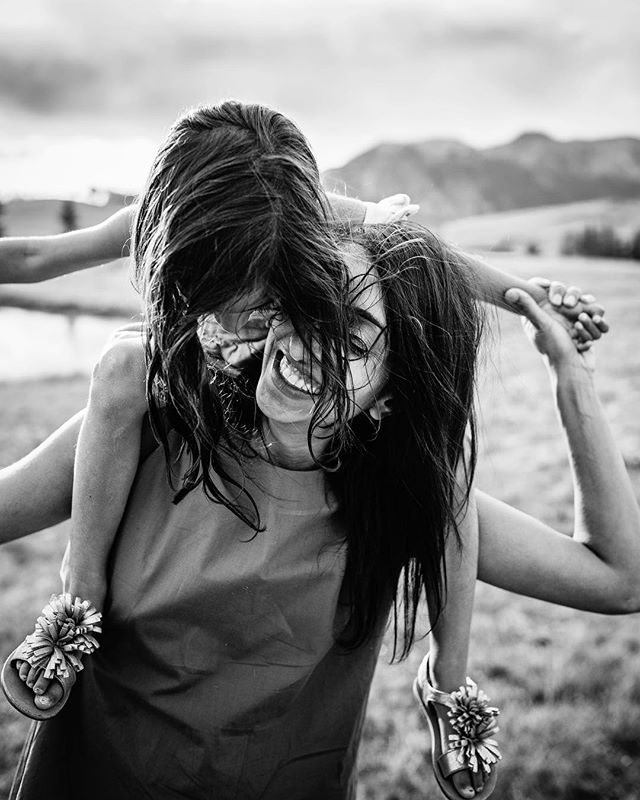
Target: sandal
471, 747
63, 633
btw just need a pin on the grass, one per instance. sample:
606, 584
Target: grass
568, 682
545, 226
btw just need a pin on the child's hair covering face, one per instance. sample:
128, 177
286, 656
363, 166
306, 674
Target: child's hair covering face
233, 204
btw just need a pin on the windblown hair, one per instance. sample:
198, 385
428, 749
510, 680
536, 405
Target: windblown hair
232, 204
405, 480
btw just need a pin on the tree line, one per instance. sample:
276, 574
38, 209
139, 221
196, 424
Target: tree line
602, 241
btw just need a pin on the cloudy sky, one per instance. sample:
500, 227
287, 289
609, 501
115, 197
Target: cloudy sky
88, 87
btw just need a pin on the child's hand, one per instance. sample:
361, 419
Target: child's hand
395, 208
582, 310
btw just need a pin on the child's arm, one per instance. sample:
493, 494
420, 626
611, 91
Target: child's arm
394, 208
29, 259
492, 283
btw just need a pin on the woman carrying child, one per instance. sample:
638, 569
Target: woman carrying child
236, 661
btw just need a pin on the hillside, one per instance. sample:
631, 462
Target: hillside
544, 226
451, 180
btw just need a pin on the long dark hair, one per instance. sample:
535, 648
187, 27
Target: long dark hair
232, 204
397, 485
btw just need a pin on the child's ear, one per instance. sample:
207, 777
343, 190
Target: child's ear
382, 407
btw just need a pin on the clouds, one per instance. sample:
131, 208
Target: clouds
351, 72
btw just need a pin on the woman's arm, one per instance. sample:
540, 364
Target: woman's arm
598, 569
35, 492
30, 259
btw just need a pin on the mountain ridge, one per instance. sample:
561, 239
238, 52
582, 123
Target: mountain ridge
451, 179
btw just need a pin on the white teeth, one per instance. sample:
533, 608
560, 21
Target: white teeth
293, 376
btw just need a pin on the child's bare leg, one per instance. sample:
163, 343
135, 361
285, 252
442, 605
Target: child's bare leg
106, 460
450, 635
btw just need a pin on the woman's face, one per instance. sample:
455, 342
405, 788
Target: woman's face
290, 379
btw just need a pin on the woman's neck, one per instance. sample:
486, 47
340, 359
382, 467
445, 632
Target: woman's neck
289, 448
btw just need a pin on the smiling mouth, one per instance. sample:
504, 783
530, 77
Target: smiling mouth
292, 376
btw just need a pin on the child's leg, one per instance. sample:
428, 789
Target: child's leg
450, 636
105, 465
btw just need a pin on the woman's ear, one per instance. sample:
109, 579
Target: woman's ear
382, 407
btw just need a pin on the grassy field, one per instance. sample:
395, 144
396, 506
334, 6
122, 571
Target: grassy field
545, 226
568, 683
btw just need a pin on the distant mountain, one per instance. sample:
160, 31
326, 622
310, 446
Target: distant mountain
451, 180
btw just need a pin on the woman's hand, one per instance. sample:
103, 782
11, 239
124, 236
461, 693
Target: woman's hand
598, 568
550, 332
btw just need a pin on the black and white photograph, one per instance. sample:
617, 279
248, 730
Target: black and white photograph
319, 390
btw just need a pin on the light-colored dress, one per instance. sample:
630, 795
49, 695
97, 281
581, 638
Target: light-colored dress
219, 675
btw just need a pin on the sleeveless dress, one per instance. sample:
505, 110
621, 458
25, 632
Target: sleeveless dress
218, 675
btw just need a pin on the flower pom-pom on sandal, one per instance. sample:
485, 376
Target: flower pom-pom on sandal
63, 634
472, 746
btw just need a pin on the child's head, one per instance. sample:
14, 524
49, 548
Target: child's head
233, 199
232, 208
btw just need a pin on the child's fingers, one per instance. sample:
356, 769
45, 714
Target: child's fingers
556, 292
410, 210
396, 200
572, 297
545, 283
582, 347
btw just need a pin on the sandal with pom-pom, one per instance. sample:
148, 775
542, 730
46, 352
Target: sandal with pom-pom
472, 746
62, 635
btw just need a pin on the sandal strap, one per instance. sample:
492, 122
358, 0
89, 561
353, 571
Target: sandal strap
23, 652
449, 763
429, 692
